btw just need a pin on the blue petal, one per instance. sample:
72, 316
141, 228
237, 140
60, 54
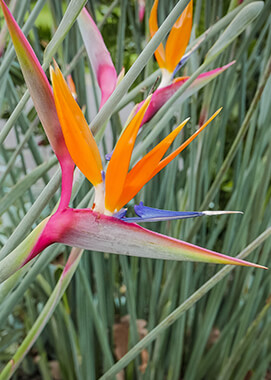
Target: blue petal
108, 156
180, 64
185, 57
149, 214
120, 214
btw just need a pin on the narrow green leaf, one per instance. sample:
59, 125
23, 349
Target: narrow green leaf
236, 27
73, 10
181, 309
22, 186
45, 315
15, 260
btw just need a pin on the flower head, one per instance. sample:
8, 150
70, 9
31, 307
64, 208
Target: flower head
120, 184
171, 58
168, 58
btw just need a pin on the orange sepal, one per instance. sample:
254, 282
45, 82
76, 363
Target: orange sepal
171, 156
153, 25
78, 137
178, 38
119, 163
141, 173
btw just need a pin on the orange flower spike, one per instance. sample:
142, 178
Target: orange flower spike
171, 156
178, 38
119, 163
76, 130
141, 173
153, 25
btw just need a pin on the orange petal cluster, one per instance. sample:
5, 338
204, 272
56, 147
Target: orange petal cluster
121, 185
178, 38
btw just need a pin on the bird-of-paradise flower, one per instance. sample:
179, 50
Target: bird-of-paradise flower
171, 58
120, 184
104, 227
105, 72
163, 94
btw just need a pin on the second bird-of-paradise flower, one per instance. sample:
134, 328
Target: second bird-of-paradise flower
172, 57
169, 57
104, 227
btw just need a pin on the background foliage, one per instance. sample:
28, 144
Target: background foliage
201, 321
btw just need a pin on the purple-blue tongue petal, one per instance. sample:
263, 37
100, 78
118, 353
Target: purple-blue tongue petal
121, 214
108, 156
149, 214
186, 56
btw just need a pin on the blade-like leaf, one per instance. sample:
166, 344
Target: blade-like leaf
236, 27
22, 186
45, 315
14, 261
73, 10
38, 85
